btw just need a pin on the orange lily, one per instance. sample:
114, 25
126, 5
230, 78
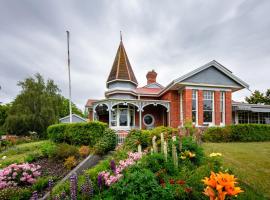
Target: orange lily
208, 191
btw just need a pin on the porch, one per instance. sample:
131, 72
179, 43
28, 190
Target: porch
128, 114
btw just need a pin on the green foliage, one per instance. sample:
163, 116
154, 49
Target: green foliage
48, 149
35, 108
240, 132
136, 137
77, 133
3, 115
189, 144
64, 108
258, 97
156, 162
32, 157
63, 151
137, 184
15, 194
106, 143
41, 184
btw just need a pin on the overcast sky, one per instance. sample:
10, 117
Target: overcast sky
172, 37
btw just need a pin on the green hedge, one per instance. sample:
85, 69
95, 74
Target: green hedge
77, 133
238, 133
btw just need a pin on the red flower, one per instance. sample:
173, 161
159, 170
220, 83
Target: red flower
172, 181
180, 182
188, 190
161, 181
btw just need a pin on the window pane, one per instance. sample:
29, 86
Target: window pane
131, 117
207, 105
194, 116
194, 104
207, 116
123, 117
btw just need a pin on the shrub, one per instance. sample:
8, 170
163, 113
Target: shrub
136, 137
32, 157
70, 162
48, 149
106, 143
84, 151
238, 133
77, 133
22, 174
64, 151
189, 144
137, 184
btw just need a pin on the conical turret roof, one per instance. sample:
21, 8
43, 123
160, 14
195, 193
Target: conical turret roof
121, 69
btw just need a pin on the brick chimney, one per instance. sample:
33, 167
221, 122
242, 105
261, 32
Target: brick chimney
151, 77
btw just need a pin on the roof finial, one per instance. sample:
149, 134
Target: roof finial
121, 36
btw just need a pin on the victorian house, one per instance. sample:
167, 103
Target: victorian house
203, 96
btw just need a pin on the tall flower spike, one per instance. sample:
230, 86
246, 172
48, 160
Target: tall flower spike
165, 150
154, 144
174, 153
113, 166
162, 142
139, 148
34, 196
73, 187
100, 181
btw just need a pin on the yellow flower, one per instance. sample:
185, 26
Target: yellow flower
215, 154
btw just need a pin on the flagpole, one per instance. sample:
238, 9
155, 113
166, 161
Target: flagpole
69, 80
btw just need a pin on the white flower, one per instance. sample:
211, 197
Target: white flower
4, 157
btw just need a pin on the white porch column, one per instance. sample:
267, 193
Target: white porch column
236, 117
93, 115
169, 118
110, 117
140, 118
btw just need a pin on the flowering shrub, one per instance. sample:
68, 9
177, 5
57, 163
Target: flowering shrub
219, 185
19, 174
187, 154
109, 178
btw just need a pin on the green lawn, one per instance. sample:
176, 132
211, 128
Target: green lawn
250, 162
19, 153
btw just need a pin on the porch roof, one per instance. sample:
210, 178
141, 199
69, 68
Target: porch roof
139, 103
250, 107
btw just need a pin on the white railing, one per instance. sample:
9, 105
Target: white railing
121, 136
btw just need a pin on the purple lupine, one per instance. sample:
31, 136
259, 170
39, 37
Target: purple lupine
113, 166
57, 198
63, 195
50, 186
100, 181
87, 188
73, 186
34, 196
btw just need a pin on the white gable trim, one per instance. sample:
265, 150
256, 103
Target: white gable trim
75, 116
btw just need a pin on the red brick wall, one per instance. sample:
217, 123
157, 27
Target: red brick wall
217, 107
228, 107
187, 105
200, 107
90, 115
173, 97
158, 112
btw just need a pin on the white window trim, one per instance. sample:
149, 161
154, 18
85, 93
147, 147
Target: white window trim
222, 123
118, 117
213, 110
153, 122
197, 105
